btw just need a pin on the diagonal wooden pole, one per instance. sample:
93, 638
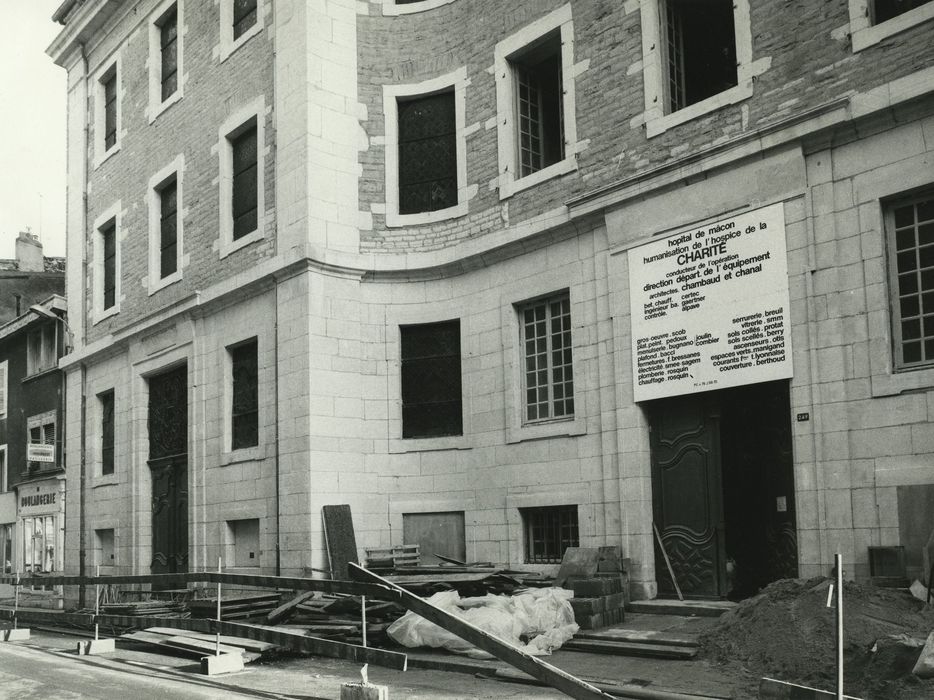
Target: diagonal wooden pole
504, 651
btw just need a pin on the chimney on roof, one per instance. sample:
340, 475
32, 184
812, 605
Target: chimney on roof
29, 253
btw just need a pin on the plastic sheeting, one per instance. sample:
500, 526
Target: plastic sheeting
541, 615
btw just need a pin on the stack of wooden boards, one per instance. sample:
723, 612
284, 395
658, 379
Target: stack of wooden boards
598, 578
387, 558
197, 644
621, 642
235, 607
339, 618
146, 608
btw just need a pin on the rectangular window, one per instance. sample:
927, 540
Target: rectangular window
107, 432
539, 98
244, 175
41, 449
168, 228
109, 84
168, 45
883, 10
39, 544
244, 427
431, 380
548, 532
3, 388
244, 16
41, 349
910, 235
549, 375
108, 234
427, 153
700, 50
6, 547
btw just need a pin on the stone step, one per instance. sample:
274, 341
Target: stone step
687, 608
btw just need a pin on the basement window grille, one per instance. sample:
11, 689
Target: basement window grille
549, 531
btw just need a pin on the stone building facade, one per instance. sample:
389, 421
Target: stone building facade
378, 253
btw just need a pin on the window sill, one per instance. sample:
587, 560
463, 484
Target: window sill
428, 444
396, 220
864, 37
660, 124
562, 167
231, 246
108, 480
165, 282
38, 375
903, 380
244, 454
391, 9
106, 155
156, 110
565, 427
100, 316
229, 48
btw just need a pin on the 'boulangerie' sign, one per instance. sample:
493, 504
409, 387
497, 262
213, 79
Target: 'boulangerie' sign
710, 306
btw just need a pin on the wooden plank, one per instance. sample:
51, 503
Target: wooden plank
204, 647
313, 645
285, 611
578, 561
339, 538
555, 677
248, 644
652, 651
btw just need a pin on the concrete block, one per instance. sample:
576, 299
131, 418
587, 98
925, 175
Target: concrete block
364, 691
91, 647
223, 663
18, 635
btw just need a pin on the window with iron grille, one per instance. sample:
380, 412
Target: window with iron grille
910, 236
244, 175
427, 153
168, 45
883, 10
108, 233
244, 427
700, 49
168, 228
539, 100
244, 16
548, 532
106, 400
109, 85
549, 375
431, 380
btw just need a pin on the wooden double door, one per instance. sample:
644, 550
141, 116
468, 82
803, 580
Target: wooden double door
168, 464
723, 490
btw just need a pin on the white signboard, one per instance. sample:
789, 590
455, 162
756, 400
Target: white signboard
710, 307
37, 452
40, 498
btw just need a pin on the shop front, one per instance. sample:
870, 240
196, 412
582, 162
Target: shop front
40, 539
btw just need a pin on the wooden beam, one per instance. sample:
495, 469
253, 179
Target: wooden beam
535, 667
284, 638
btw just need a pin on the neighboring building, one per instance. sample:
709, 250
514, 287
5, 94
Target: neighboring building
387, 254
32, 468
29, 278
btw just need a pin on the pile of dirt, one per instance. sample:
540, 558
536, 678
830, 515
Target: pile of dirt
787, 632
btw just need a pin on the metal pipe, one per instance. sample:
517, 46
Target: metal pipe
217, 638
97, 603
838, 561
363, 617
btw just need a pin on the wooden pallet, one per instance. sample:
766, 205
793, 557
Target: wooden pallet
393, 557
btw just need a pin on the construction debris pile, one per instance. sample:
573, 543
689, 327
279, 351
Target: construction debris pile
543, 616
787, 632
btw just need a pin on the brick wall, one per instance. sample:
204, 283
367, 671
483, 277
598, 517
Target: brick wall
212, 90
811, 63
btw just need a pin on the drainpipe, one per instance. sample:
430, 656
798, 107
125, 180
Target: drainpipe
82, 368
275, 384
